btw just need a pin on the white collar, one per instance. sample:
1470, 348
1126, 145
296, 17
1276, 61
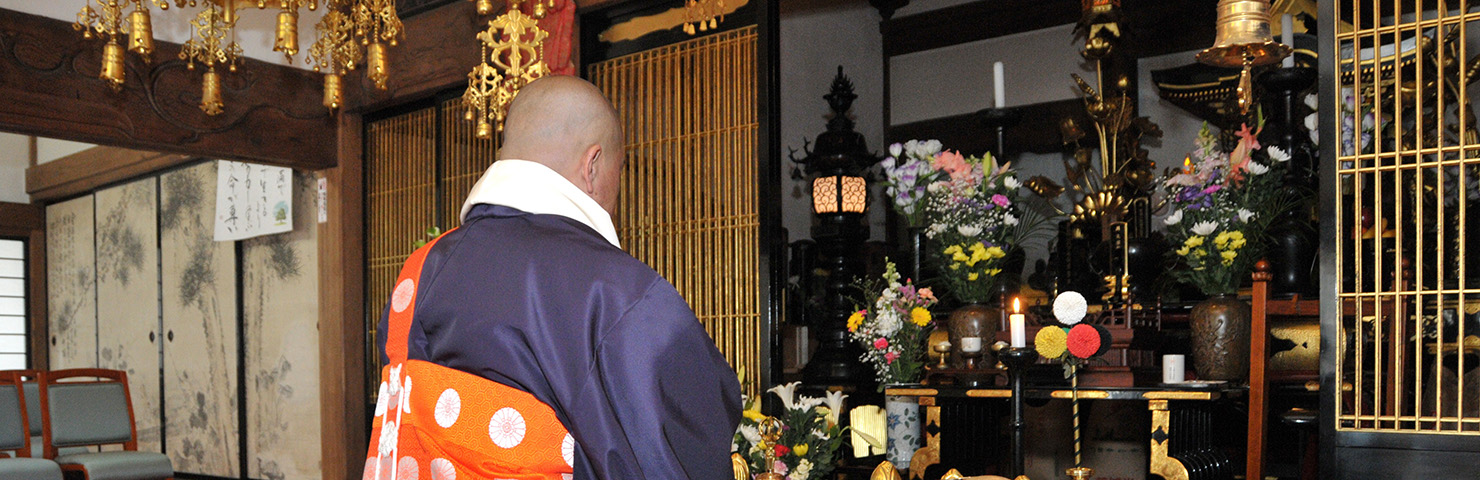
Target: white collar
535, 188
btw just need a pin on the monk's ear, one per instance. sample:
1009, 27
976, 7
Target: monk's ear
591, 166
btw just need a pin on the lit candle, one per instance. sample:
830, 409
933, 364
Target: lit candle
971, 344
997, 86
1187, 165
1287, 37
1017, 326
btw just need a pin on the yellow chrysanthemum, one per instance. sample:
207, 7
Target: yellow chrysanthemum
961, 257
996, 252
920, 316
1051, 342
1193, 241
1228, 256
799, 449
972, 277
993, 271
1221, 240
1236, 240
952, 250
855, 320
1182, 252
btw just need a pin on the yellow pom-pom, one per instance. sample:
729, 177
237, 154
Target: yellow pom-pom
920, 316
1051, 342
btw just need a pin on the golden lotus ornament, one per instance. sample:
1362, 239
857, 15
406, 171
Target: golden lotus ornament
1243, 40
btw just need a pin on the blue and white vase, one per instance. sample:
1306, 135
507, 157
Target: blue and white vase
903, 429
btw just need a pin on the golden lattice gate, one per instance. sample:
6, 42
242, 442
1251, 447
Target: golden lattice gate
689, 196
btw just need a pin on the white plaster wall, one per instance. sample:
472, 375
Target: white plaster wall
816, 37
254, 30
957, 79
49, 149
1178, 127
15, 156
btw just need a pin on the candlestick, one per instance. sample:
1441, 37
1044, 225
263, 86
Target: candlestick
1287, 37
1017, 360
997, 85
1017, 325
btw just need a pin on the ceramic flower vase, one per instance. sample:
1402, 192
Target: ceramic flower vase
1220, 338
903, 429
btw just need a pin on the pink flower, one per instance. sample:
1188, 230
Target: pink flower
925, 293
1000, 200
889, 357
952, 163
881, 343
779, 467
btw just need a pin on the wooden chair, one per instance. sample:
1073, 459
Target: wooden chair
95, 412
15, 436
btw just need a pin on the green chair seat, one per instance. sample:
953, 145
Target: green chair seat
29, 469
126, 465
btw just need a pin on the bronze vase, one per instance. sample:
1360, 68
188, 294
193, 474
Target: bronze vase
974, 320
1220, 338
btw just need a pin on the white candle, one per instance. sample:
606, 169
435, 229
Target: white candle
1287, 37
1017, 324
971, 344
997, 85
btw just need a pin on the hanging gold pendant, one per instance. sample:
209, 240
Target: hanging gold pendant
140, 34
112, 70
287, 34
210, 93
333, 91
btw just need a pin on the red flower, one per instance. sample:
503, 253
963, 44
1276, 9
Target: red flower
1084, 340
781, 450
881, 343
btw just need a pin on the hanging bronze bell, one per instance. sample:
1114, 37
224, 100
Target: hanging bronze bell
287, 34
140, 34
210, 93
1243, 40
378, 64
333, 91
112, 70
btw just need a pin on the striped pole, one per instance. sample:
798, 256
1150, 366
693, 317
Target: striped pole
1074, 400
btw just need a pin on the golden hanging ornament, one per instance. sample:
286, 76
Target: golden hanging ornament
210, 46
106, 21
141, 32
512, 56
702, 15
334, 53
112, 69
1243, 40
376, 25
484, 7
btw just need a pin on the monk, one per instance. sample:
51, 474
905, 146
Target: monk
526, 344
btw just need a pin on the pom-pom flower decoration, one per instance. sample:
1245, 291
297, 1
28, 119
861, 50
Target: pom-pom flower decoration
1076, 343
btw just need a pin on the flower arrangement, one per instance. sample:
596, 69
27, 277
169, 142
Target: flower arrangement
894, 329
1073, 343
968, 206
800, 443
1220, 205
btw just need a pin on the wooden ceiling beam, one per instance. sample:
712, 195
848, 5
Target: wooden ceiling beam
48, 78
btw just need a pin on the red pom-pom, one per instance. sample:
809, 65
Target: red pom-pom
1084, 340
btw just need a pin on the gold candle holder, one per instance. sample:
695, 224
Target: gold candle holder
1080, 473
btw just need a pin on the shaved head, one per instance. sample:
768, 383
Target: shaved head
565, 123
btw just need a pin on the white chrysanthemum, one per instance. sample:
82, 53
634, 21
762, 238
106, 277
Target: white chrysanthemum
1011, 182
1204, 228
568, 450
969, 230
1173, 219
808, 403
803, 470
936, 229
1010, 220
895, 150
1245, 215
1312, 122
507, 428
751, 433
1070, 307
442, 469
1278, 154
1256, 168
407, 469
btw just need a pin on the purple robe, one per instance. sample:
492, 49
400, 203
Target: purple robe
543, 304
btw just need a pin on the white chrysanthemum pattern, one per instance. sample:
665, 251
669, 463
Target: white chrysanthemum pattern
506, 428
401, 298
449, 405
568, 450
380, 399
407, 469
443, 470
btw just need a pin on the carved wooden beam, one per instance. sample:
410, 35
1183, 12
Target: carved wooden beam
437, 53
94, 168
48, 78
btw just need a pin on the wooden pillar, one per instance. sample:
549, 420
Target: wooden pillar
341, 309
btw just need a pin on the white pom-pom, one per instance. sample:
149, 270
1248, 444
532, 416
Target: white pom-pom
1070, 307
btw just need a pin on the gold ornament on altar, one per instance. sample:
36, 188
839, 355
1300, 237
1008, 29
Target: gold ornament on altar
209, 44
702, 15
1244, 41
512, 57
334, 53
107, 21
770, 432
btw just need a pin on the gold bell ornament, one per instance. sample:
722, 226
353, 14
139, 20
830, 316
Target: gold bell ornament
287, 33
140, 34
1244, 41
112, 70
333, 91
210, 93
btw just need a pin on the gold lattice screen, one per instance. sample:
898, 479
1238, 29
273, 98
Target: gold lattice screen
1408, 217
689, 199
419, 167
